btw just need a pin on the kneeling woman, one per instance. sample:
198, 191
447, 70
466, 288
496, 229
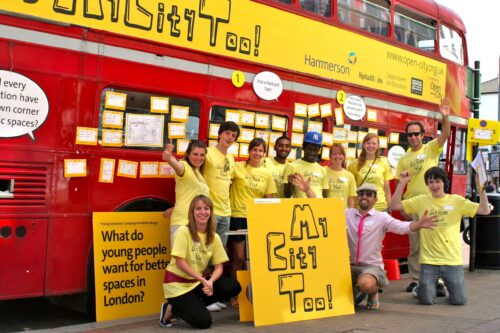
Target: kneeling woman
195, 247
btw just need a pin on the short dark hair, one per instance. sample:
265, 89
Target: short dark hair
436, 173
229, 126
418, 123
283, 137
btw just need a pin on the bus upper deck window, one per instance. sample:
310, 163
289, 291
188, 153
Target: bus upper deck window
285, 1
321, 7
451, 45
414, 30
372, 16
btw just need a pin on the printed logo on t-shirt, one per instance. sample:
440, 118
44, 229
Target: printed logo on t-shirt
441, 213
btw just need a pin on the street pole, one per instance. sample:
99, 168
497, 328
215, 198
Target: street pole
476, 100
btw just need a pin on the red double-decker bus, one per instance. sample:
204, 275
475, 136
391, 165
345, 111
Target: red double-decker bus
91, 91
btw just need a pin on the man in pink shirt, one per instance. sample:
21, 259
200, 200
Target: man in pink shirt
366, 228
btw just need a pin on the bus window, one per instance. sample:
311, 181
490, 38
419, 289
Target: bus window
451, 45
459, 162
372, 16
321, 7
248, 132
285, 1
154, 124
414, 30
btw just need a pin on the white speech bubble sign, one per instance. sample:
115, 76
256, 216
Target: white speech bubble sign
354, 107
23, 105
394, 154
267, 85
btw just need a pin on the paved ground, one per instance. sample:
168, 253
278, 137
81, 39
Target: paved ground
399, 312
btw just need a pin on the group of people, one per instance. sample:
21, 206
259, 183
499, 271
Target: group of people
212, 190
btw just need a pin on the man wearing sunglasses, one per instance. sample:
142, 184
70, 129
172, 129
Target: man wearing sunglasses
417, 160
366, 228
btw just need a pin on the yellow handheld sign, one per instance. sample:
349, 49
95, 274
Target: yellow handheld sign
299, 260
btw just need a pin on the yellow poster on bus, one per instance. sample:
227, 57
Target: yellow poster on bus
299, 260
131, 253
259, 33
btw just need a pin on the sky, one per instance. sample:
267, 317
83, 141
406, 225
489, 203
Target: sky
482, 25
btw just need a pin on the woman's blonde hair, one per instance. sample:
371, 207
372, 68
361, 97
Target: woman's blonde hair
362, 156
192, 222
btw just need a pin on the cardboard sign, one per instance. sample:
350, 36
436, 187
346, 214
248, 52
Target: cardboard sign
131, 253
299, 262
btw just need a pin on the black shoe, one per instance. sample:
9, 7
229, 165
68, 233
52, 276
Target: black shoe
440, 290
164, 322
411, 286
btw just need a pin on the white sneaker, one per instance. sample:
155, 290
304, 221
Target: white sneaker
222, 306
213, 307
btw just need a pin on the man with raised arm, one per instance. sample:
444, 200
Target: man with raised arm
418, 159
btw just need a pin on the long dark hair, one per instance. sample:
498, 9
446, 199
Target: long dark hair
195, 144
193, 231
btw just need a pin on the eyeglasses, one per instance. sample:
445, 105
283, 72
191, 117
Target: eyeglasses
413, 134
366, 193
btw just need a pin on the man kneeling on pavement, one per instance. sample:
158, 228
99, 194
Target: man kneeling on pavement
441, 247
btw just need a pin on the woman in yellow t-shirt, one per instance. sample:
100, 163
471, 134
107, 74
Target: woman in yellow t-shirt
251, 179
371, 168
340, 181
196, 246
189, 181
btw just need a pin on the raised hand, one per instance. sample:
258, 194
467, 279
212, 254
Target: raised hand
404, 177
444, 108
167, 153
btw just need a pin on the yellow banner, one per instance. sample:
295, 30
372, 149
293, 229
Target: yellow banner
131, 253
255, 32
299, 260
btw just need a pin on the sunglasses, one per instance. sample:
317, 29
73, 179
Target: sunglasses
368, 194
413, 134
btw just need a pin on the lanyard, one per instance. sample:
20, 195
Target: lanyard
360, 233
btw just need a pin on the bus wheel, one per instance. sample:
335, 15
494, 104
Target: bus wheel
466, 235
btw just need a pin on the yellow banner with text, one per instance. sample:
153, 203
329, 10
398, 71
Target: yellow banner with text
256, 32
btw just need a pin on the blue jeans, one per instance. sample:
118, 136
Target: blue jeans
222, 227
454, 280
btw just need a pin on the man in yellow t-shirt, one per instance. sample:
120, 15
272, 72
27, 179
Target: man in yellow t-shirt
441, 247
218, 173
308, 168
277, 164
418, 159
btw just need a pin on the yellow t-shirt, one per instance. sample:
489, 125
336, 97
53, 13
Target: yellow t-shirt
277, 170
379, 173
417, 163
218, 173
341, 184
197, 254
187, 187
249, 183
314, 171
442, 245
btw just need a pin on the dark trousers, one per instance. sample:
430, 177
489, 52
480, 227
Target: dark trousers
192, 306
